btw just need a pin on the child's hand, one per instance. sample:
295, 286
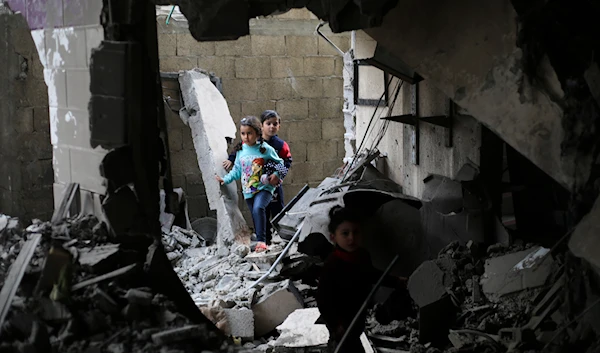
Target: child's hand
273, 180
219, 179
227, 164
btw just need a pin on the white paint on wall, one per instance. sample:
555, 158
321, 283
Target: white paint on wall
60, 39
40, 44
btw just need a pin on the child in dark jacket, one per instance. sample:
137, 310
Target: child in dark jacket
271, 123
346, 280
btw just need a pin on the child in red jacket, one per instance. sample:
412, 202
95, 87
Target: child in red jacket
346, 280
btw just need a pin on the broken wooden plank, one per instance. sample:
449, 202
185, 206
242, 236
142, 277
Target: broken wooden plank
104, 277
68, 196
17, 270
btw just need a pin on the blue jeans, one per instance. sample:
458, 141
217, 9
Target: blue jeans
258, 205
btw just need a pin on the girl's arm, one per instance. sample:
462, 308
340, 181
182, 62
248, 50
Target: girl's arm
235, 173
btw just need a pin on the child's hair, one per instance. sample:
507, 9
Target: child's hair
268, 114
254, 123
339, 215
259, 161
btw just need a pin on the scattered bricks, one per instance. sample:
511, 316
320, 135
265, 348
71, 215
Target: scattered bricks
271, 311
342, 42
176, 63
188, 46
175, 140
319, 66
240, 89
293, 109
426, 284
287, 67
104, 302
307, 87
238, 47
179, 334
333, 129
321, 150
139, 297
301, 45
320, 108
267, 45
275, 88
222, 66
241, 323
333, 87
256, 107
167, 45
252, 67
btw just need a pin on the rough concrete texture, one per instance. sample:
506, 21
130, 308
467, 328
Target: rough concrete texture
516, 272
299, 330
426, 284
241, 323
349, 107
272, 310
207, 114
584, 242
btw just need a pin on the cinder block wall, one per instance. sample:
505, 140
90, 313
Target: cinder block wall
26, 175
281, 65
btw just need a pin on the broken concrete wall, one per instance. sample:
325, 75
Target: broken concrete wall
282, 65
25, 149
64, 34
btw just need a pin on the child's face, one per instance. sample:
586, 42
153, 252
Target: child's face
347, 236
249, 135
271, 127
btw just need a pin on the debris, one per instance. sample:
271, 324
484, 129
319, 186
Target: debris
274, 308
99, 257
120, 272
104, 302
139, 297
435, 320
57, 259
299, 330
426, 284
241, 323
179, 334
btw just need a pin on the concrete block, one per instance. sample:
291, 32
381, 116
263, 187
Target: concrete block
175, 140
85, 170
176, 63
305, 172
252, 67
339, 66
333, 87
167, 45
267, 45
516, 272
274, 88
304, 131
333, 129
300, 331
241, 323
240, 89
184, 162
237, 47
73, 127
188, 142
306, 87
255, 107
321, 151
296, 14
426, 284
93, 38
31, 92
41, 120
329, 167
24, 120
194, 185
235, 109
59, 54
174, 121
299, 151
271, 311
61, 163
56, 81
198, 206
222, 66
301, 45
78, 88
293, 109
319, 66
342, 42
86, 13
188, 46
321, 108
584, 242
287, 67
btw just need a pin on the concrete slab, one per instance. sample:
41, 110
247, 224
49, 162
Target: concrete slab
207, 114
516, 272
272, 310
585, 242
426, 284
241, 323
299, 330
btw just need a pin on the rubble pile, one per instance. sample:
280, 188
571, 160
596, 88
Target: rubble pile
81, 293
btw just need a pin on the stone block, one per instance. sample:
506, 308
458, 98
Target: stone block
319, 66
175, 140
78, 88
60, 56
333, 129
85, 170
167, 45
221, 66
237, 47
178, 181
188, 46
41, 120
253, 67
271, 311
240, 89
194, 186
331, 166
321, 151
287, 67
274, 88
293, 109
31, 93
235, 109
302, 173
306, 87
291, 190
321, 108
56, 81
342, 42
241, 323
24, 120
298, 149
267, 45
255, 108
176, 63
304, 131
426, 284
301, 45
338, 66
333, 87
184, 162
